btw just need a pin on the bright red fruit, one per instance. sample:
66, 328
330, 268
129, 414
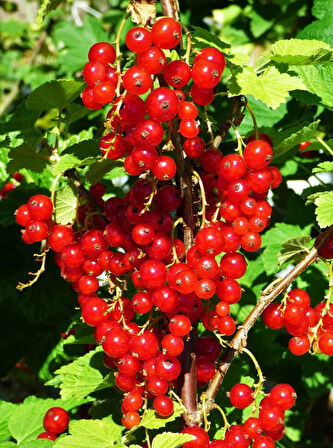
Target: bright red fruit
56, 420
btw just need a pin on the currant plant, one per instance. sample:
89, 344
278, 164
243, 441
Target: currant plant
174, 221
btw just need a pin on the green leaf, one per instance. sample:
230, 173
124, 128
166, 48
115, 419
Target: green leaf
323, 167
318, 81
84, 375
75, 41
272, 241
265, 116
27, 421
324, 210
98, 170
65, 204
204, 38
40, 443
90, 433
293, 249
271, 86
259, 25
316, 374
54, 94
320, 29
301, 52
80, 154
45, 8
171, 440
27, 156
7, 445
289, 138
6, 410
152, 421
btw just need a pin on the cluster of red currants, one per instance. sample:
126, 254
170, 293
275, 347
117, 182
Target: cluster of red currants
10, 186
55, 422
35, 216
310, 327
262, 431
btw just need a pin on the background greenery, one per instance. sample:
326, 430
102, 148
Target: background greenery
33, 54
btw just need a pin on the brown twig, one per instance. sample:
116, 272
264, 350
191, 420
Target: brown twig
188, 380
267, 297
235, 116
10, 97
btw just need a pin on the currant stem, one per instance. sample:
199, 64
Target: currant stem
240, 142
226, 423
209, 124
118, 53
188, 44
261, 377
203, 199
255, 125
327, 298
325, 145
42, 259
174, 251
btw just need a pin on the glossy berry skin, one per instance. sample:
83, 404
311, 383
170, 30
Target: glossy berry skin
88, 284
168, 367
272, 316
56, 420
47, 435
138, 39
59, 237
93, 243
300, 298
283, 396
220, 444
93, 312
189, 128
94, 72
163, 405
130, 419
226, 325
252, 427
325, 343
180, 325
187, 111
37, 230
194, 147
162, 104
172, 345
40, 207
164, 168
137, 80
205, 369
326, 250
166, 33
241, 396
102, 52
144, 345
22, 216
271, 418
152, 60
148, 132
202, 96
206, 74
211, 54
177, 74
263, 442
258, 154
153, 273
229, 290
232, 167
233, 265
104, 92
116, 343
201, 437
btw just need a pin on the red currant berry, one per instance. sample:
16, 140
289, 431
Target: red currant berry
283, 396
137, 80
40, 207
163, 406
164, 168
152, 60
258, 154
166, 33
241, 396
177, 74
206, 74
94, 72
233, 265
56, 420
201, 437
102, 52
138, 39
162, 104
22, 216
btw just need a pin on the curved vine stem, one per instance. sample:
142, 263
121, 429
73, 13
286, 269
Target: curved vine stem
325, 145
261, 378
203, 198
118, 52
239, 340
255, 126
188, 44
